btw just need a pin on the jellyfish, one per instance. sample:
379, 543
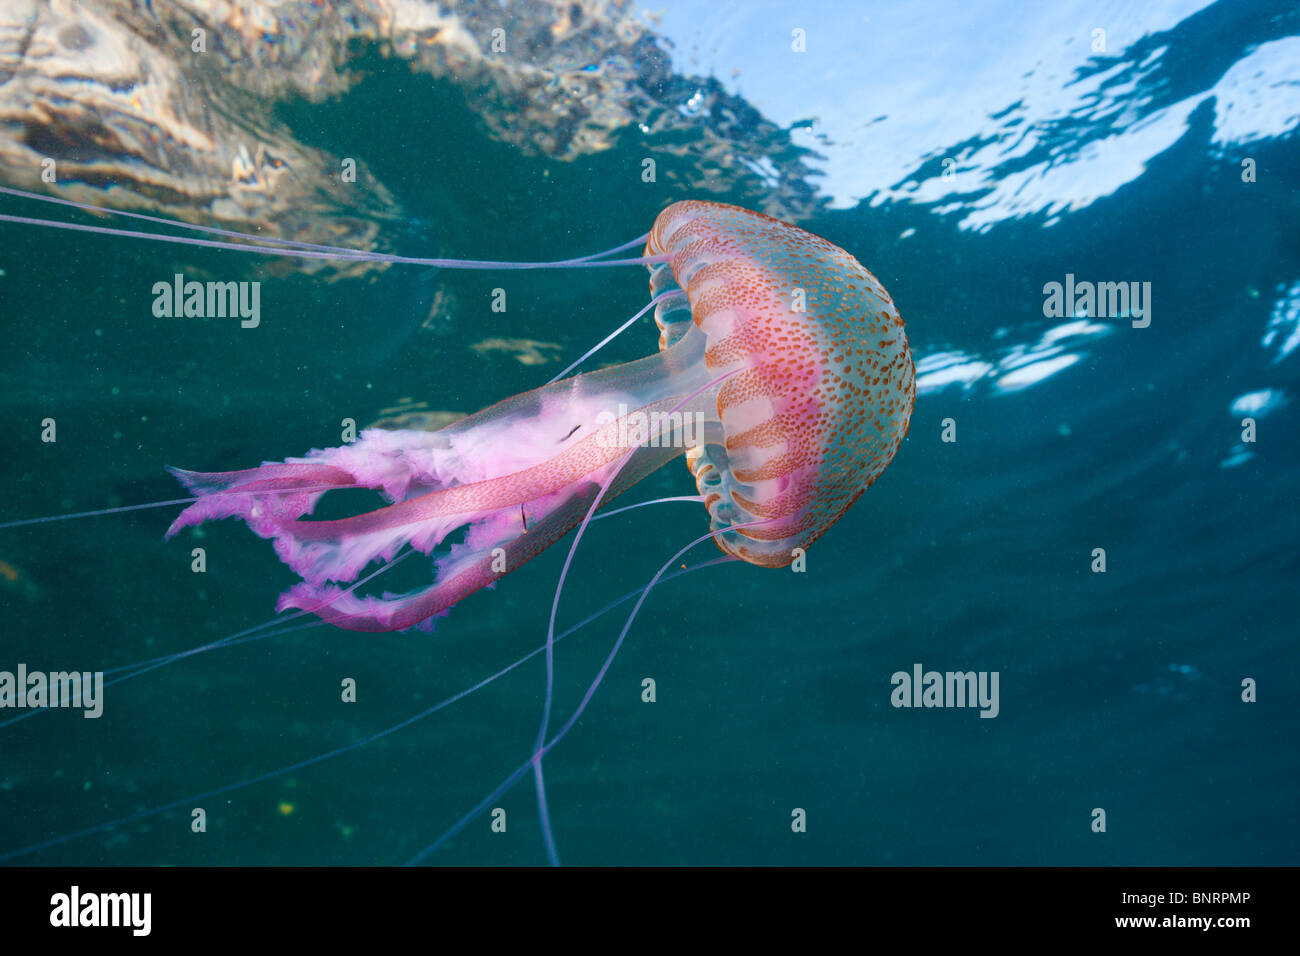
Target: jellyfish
783, 375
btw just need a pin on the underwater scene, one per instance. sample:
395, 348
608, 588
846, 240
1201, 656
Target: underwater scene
667, 433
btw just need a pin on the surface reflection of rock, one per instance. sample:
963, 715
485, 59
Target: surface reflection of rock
440, 316
523, 351
408, 413
115, 94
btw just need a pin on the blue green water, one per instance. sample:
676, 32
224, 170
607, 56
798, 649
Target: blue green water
1119, 690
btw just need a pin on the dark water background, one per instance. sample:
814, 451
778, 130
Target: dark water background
1118, 690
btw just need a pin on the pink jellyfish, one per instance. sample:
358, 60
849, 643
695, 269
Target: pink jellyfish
783, 374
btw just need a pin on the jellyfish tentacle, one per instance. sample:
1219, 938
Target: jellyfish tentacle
271, 628
258, 495
210, 230
693, 499
276, 246
517, 475
147, 505
708, 389
544, 813
59, 840
568, 725
99, 512
344, 251
495, 546
609, 338
556, 494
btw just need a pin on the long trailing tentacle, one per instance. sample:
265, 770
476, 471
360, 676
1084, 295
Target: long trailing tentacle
233, 483
543, 812
192, 799
343, 252
292, 248
523, 768
275, 628
271, 628
610, 338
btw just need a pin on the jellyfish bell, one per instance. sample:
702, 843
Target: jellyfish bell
823, 387
783, 375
